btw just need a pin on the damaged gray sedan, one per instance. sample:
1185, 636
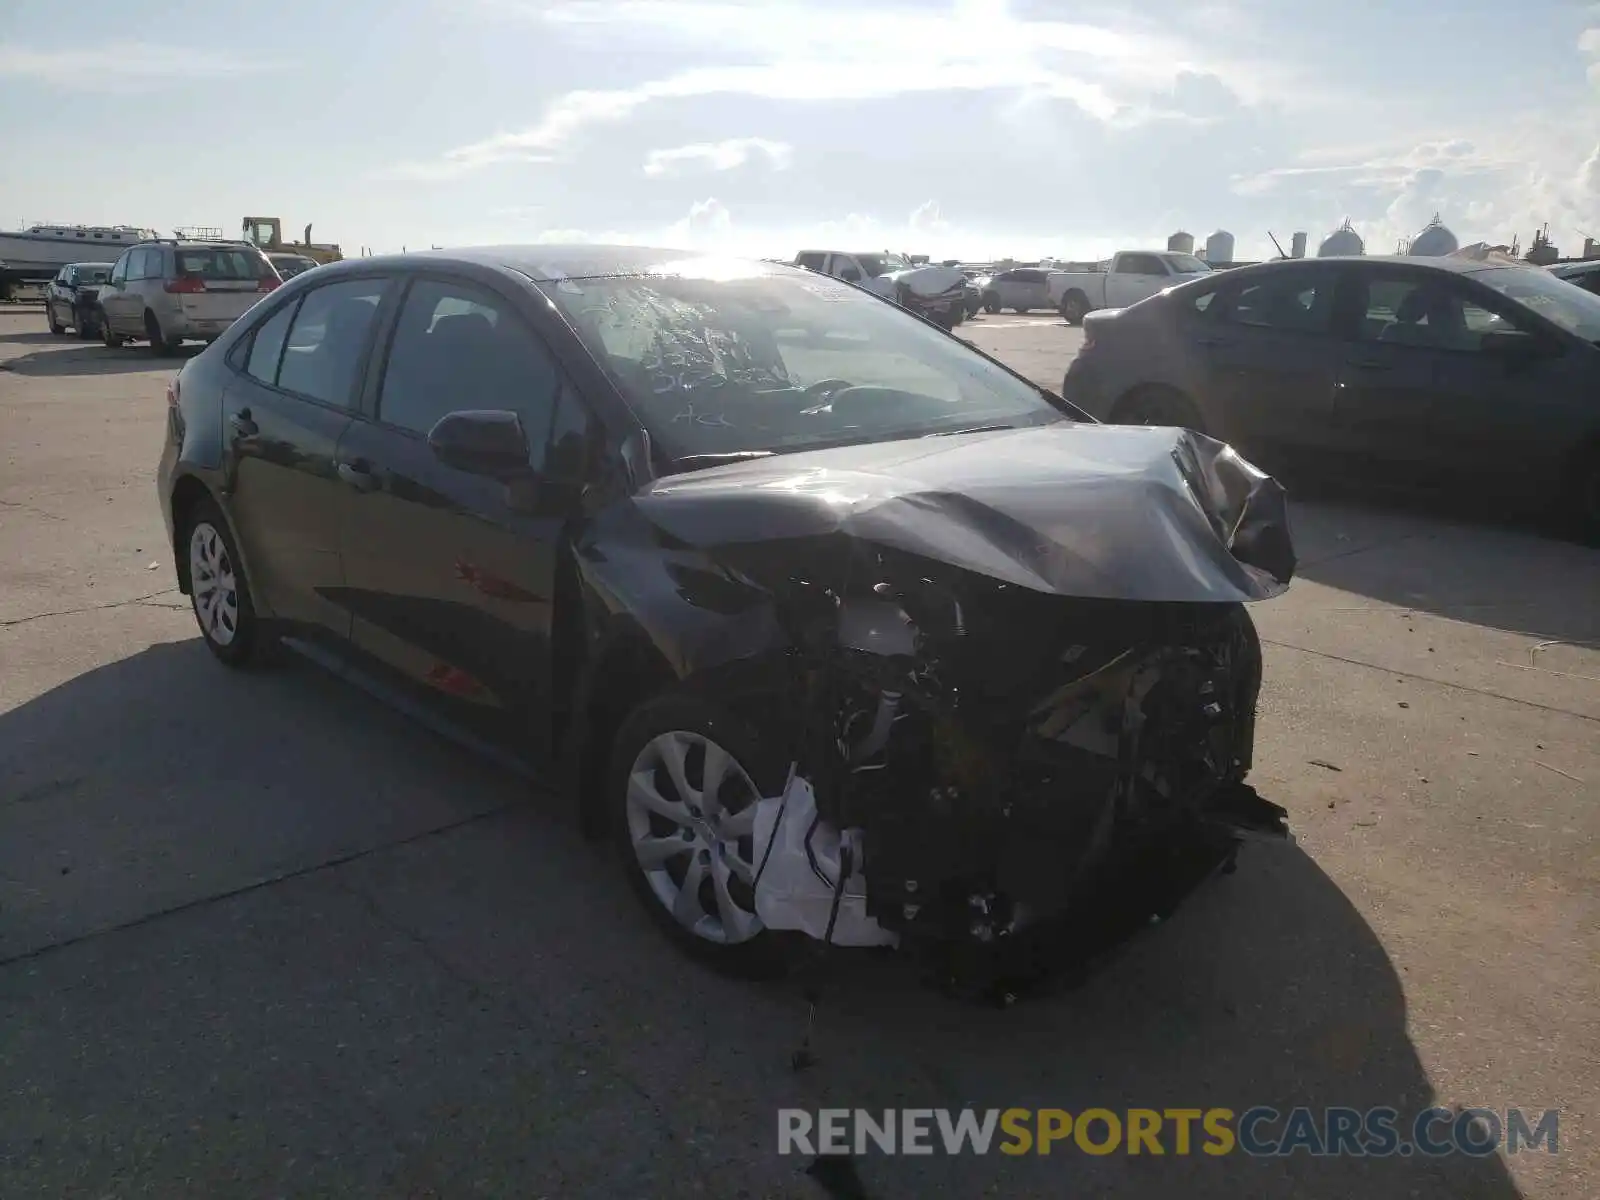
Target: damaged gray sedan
838, 630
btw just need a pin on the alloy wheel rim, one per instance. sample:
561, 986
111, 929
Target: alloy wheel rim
213, 585
691, 822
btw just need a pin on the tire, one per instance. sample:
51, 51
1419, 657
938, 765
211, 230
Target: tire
991, 303
112, 340
50, 318
1022, 311
1579, 509
85, 325
159, 342
1157, 406
729, 938
231, 630
1074, 307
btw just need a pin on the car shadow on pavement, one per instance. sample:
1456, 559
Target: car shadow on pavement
1436, 556
94, 359
42, 337
445, 985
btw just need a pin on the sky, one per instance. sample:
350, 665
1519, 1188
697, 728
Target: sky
970, 129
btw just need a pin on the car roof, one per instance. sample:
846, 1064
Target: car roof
1454, 266
550, 263
1583, 267
91, 264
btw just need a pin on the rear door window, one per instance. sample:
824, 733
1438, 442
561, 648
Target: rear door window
328, 338
1288, 301
1140, 264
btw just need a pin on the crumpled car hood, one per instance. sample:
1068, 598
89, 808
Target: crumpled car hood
929, 280
1096, 511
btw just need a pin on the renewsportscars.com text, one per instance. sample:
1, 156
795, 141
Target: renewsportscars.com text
1258, 1132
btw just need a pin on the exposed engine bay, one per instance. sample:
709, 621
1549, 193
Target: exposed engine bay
986, 739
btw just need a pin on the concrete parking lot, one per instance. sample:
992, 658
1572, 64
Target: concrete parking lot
259, 936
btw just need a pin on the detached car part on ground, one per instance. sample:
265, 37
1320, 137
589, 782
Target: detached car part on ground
849, 634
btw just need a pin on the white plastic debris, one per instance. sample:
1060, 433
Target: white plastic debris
790, 894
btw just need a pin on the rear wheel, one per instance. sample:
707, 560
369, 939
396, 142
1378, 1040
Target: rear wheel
219, 591
159, 342
684, 781
1157, 406
1074, 307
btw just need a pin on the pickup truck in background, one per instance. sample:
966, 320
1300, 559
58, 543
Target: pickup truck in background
937, 293
1128, 277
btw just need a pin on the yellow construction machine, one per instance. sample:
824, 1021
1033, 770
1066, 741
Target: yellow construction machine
267, 233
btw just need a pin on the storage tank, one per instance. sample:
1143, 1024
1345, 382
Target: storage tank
1342, 241
1297, 245
1181, 243
1219, 247
1435, 241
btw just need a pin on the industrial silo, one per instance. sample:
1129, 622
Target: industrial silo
1435, 241
1341, 242
1219, 248
1181, 243
1297, 245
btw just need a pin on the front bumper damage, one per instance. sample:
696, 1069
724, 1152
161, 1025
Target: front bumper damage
1020, 717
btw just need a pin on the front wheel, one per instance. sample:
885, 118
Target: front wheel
219, 592
684, 782
991, 304
1158, 406
56, 327
107, 335
1581, 507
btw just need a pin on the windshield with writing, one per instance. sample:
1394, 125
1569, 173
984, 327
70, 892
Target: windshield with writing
1574, 309
743, 360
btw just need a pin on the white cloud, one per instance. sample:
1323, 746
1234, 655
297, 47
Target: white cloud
802, 53
126, 65
1589, 47
719, 156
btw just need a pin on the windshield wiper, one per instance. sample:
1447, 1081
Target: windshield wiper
716, 460
970, 429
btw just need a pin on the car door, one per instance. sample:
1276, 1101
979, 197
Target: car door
1423, 398
113, 296
451, 575
1270, 359
296, 386
59, 309
1028, 289
1134, 277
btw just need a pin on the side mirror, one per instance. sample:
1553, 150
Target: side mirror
1513, 345
481, 442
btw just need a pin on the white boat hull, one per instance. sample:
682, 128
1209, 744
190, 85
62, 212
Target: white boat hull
29, 255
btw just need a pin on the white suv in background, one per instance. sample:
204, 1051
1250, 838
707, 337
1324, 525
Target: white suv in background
171, 291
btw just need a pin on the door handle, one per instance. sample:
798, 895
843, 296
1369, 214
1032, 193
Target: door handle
243, 424
358, 475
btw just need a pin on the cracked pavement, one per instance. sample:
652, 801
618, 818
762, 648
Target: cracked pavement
259, 936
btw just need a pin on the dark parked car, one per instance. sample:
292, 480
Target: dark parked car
70, 300
1441, 373
1584, 274
831, 624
